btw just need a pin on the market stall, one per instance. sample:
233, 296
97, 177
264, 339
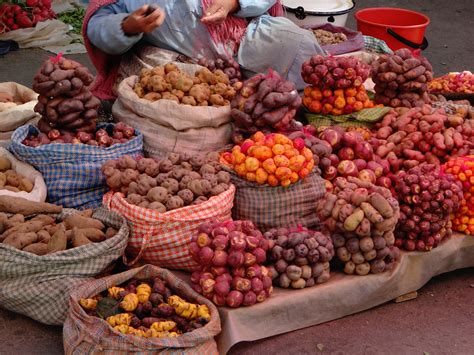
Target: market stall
270, 206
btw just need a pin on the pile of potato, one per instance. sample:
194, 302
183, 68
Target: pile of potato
44, 234
401, 79
168, 184
167, 82
361, 218
147, 309
227, 64
64, 100
325, 38
299, 257
11, 180
265, 102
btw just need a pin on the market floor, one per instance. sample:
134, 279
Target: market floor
439, 321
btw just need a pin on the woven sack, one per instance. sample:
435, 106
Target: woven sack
72, 172
169, 127
273, 207
39, 286
162, 238
84, 334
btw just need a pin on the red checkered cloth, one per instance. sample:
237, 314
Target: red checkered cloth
162, 239
84, 334
272, 207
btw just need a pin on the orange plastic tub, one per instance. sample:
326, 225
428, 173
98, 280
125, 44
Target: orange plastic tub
399, 28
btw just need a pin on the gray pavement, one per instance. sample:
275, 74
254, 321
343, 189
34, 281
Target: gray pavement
439, 321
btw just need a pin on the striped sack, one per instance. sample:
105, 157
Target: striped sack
84, 334
38, 286
273, 207
72, 172
162, 239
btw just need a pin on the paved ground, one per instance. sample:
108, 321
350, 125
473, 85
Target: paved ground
439, 321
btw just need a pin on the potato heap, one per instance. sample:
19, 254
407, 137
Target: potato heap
168, 184
11, 180
64, 100
146, 308
325, 38
167, 82
231, 254
462, 169
336, 85
361, 218
44, 234
272, 159
427, 199
265, 102
401, 79
299, 257
227, 64
461, 83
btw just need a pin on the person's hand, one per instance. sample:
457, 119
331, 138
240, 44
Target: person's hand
218, 11
142, 22
5, 97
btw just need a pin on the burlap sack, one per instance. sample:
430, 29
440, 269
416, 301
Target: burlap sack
39, 191
272, 207
170, 127
13, 116
39, 286
83, 334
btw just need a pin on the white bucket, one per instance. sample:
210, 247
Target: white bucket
318, 12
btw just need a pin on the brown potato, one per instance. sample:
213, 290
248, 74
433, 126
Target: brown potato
37, 248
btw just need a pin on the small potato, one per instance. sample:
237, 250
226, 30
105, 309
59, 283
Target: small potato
110, 233
306, 272
349, 268
343, 254
300, 283
157, 194
370, 255
362, 269
37, 248
5, 163
152, 96
324, 277
358, 258
13, 180
78, 238
157, 206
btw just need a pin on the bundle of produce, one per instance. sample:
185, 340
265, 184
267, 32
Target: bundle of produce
361, 218
167, 82
167, 184
24, 14
65, 102
11, 180
232, 255
272, 159
299, 257
352, 155
460, 83
103, 137
401, 79
336, 102
265, 102
427, 198
225, 63
44, 234
334, 72
408, 137
146, 308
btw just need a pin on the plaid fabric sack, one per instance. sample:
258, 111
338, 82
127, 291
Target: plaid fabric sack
169, 127
72, 171
162, 238
272, 207
39, 286
84, 334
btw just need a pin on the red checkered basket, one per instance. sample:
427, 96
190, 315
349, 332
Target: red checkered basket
162, 238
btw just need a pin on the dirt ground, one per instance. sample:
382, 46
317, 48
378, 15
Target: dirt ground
439, 321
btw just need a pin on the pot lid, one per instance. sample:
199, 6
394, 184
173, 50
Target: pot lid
330, 7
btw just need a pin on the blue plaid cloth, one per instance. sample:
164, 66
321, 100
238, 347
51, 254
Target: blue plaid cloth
72, 172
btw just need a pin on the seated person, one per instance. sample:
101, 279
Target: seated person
248, 30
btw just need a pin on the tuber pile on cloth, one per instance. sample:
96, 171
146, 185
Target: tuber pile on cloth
401, 79
167, 82
361, 218
167, 184
146, 308
265, 102
460, 83
299, 257
271, 159
45, 234
427, 199
325, 38
12, 180
231, 255
227, 64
